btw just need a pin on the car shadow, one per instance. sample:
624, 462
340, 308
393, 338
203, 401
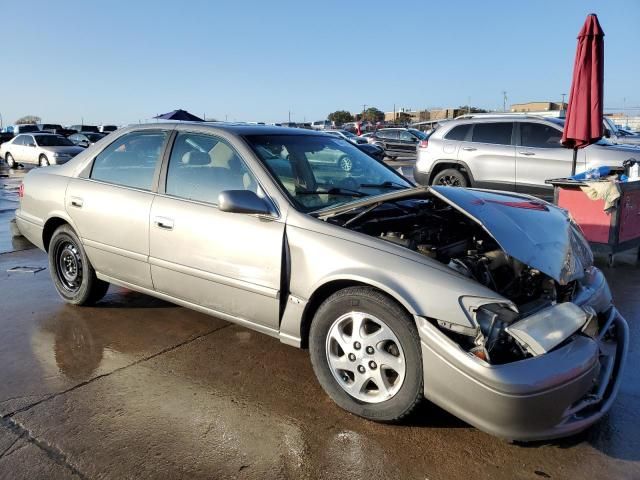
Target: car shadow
123, 298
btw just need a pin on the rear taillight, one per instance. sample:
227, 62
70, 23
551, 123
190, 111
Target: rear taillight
21, 190
423, 144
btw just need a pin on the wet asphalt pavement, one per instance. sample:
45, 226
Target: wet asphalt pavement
139, 388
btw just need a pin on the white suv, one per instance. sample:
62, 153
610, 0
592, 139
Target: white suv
508, 153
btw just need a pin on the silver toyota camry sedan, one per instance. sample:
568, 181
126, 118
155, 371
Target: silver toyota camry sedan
486, 303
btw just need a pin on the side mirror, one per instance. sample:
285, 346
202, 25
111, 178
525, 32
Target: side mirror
242, 201
31, 144
607, 133
84, 143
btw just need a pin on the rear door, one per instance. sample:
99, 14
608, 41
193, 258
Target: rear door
111, 207
392, 141
540, 156
489, 154
226, 262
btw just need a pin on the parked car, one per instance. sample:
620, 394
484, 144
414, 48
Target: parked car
373, 151
347, 136
107, 128
85, 139
616, 134
40, 148
5, 137
508, 153
397, 142
321, 125
54, 128
486, 303
22, 128
84, 128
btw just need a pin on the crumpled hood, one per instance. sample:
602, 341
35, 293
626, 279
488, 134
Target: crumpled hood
530, 230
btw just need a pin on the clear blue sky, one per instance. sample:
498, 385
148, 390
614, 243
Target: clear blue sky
122, 60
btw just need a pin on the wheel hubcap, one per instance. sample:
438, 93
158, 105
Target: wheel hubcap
450, 181
375, 370
69, 265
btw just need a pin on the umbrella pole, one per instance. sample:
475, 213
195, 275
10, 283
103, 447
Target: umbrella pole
575, 161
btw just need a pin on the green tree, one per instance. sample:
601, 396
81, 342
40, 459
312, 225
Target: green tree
372, 114
28, 120
340, 117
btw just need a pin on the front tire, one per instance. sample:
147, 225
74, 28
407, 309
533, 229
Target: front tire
43, 161
11, 163
71, 271
365, 351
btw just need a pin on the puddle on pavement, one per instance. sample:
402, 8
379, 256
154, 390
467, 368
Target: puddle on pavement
21, 269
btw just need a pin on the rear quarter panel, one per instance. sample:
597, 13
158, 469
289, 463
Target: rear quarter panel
43, 198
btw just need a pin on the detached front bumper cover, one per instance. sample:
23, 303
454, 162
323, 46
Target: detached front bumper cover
553, 395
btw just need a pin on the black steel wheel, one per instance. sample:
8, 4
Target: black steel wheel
450, 177
71, 271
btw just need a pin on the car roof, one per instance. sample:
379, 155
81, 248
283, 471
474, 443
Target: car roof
239, 129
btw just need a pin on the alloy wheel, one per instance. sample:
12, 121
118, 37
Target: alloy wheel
346, 164
365, 357
450, 181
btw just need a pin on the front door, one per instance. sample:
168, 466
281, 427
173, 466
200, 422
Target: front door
111, 208
540, 157
408, 143
29, 150
490, 155
225, 262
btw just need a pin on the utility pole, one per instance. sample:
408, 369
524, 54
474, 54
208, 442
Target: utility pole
1, 123
289, 116
364, 108
394, 113
468, 105
504, 100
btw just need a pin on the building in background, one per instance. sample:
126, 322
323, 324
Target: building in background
532, 107
406, 115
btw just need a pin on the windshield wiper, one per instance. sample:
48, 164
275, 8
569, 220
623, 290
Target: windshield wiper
387, 184
347, 192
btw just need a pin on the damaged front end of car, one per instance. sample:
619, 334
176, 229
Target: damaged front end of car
540, 359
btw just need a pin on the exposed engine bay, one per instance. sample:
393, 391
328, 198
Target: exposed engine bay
437, 230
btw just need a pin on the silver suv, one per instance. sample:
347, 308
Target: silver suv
508, 153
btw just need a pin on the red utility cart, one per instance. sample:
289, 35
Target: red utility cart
609, 232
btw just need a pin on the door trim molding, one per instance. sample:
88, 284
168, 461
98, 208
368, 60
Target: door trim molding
192, 306
115, 250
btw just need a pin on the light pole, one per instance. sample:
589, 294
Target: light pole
1, 123
504, 100
562, 104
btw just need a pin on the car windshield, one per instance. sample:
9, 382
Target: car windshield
418, 133
94, 137
560, 123
347, 133
319, 172
53, 141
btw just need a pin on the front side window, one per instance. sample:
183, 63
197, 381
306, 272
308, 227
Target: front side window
201, 166
320, 172
131, 160
538, 135
495, 133
406, 136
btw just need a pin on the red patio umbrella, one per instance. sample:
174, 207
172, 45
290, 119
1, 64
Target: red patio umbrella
583, 125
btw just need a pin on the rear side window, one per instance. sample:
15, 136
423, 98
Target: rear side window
19, 140
202, 166
538, 135
496, 133
390, 134
458, 133
131, 160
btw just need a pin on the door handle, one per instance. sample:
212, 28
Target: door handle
77, 202
468, 149
527, 154
164, 223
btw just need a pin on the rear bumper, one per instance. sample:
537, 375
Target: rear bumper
421, 178
30, 230
553, 395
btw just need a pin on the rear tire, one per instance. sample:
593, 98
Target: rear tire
71, 271
450, 177
43, 161
11, 163
374, 371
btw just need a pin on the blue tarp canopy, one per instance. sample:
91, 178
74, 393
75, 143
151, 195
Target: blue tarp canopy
180, 115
